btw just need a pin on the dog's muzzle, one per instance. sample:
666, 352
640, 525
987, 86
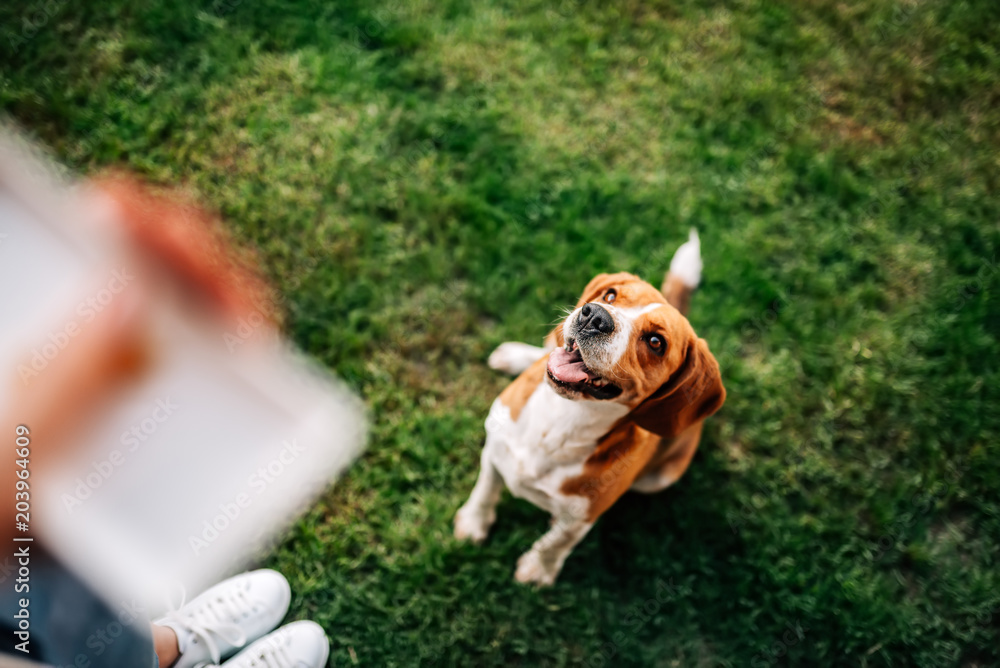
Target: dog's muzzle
594, 320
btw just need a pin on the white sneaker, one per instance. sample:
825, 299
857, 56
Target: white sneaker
296, 645
228, 616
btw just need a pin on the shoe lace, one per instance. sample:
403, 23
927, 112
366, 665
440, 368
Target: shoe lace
210, 618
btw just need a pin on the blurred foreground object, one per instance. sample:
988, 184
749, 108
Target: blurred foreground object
171, 432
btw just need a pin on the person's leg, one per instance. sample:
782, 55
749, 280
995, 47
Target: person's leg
71, 625
165, 645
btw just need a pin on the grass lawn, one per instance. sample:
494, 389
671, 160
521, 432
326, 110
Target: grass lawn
425, 180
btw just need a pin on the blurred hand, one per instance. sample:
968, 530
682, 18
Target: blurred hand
176, 242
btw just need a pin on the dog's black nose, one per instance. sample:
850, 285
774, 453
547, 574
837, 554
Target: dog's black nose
593, 320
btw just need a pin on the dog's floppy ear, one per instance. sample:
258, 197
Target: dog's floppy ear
693, 392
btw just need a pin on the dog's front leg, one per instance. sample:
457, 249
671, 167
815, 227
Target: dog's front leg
513, 357
474, 519
541, 564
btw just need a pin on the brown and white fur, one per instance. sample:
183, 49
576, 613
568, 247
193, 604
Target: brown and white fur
614, 401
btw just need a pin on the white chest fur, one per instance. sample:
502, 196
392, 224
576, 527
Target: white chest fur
549, 443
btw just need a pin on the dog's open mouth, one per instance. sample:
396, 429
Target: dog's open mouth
567, 369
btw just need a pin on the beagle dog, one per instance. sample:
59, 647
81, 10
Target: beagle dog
614, 401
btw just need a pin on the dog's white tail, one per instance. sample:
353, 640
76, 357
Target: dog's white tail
686, 264
685, 273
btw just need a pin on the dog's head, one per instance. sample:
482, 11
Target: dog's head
624, 343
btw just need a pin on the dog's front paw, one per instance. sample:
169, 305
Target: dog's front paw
531, 569
514, 357
472, 525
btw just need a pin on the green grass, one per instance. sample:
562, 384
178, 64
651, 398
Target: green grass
425, 180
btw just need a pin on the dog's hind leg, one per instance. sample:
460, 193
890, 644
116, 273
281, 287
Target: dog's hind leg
667, 466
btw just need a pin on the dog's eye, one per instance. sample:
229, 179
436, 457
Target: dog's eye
656, 343
610, 295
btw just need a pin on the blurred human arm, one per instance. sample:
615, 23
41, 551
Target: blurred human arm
171, 241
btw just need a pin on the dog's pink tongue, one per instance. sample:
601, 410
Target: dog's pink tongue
567, 367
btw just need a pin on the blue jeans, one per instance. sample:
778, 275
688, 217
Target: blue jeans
69, 625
